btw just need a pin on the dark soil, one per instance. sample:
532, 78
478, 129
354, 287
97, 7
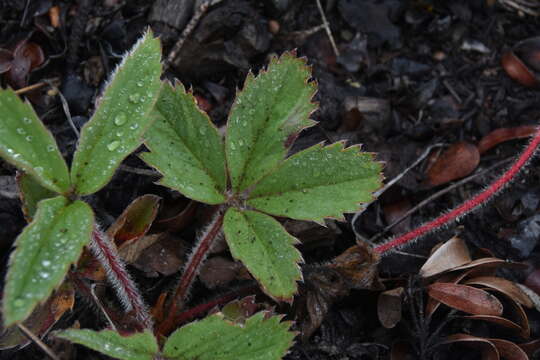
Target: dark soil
431, 73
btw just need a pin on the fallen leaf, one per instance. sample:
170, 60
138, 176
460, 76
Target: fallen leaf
489, 351
165, 256
497, 320
505, 286
466, 298
42, 318
389, 307
135, 220
508, 350
498, 136
530, 347
459, 160
218, 271
448, 256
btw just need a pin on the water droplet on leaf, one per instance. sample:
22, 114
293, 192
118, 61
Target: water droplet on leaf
134, 98
113, 145
120, 119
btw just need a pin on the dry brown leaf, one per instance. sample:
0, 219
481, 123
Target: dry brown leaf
218, 271
498, 136
459, 160
530, 347
448, 256
389, 307
489, 350
135, 220
166, 256
508, 350
497, 320
505, 286
466, 298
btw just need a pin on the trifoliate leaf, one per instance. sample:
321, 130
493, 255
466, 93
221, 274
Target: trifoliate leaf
266, 249
140, 346
266, 116
214, 338
31, 193
318, 182
44, 251
121, 117
27, 144
186, 147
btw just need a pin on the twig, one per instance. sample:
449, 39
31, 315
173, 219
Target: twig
38, 342
327, 28
379, 192
101, 307
30, 88
470, 205
123, 285
65, 107
134, 170
192, 24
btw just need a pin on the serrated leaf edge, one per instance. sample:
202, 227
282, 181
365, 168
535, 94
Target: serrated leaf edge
251, 77
301, 260
320, 145
188, 92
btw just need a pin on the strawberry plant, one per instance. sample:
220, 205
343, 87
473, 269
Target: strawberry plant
247, 175
62, 224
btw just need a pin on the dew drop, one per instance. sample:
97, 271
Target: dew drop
119, 133
21, 131
140, 84
134, 126
27, 120
46, 263
134, 98
120, 119
202, 130
233, 147
241, 142
50, 148
28, 138
113, 145
44, 275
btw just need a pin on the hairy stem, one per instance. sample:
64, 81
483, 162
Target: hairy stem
472, 204
125, 287
191, 269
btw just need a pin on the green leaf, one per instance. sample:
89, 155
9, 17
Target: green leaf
27, 144
214, 338
319, 182
140, 346
271, 110
31, 193
266, 249
197, 165
121, 117
44, 251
